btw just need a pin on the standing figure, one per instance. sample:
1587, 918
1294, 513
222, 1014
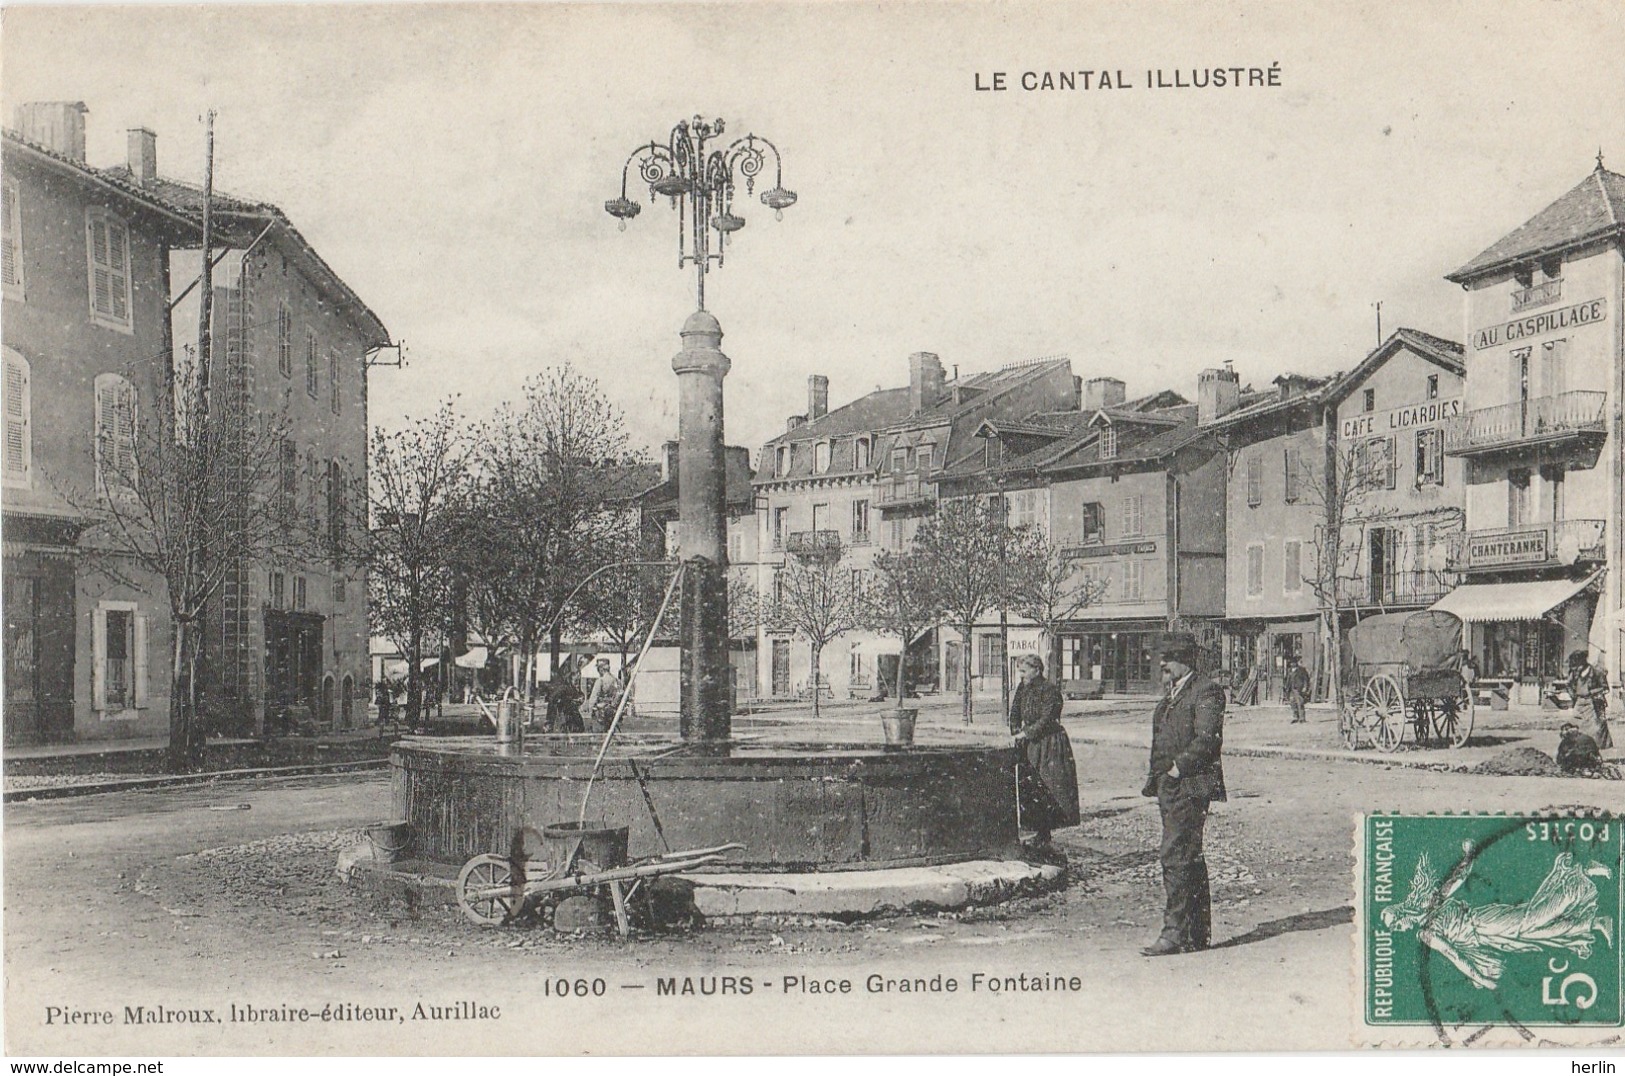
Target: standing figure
603, 698
1297, 688
385, 696
1046, 775
564, 699
1187, 732
1589, 685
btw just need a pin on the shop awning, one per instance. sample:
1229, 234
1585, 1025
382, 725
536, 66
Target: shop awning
474, 659
1479, 603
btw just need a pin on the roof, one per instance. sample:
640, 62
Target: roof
629, 481
1446, 354
1259, 404
1084, 453
239, 221
737, 490
1593, 209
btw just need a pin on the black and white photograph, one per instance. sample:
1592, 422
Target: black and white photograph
812, 528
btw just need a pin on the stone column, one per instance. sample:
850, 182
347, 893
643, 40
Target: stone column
705, 712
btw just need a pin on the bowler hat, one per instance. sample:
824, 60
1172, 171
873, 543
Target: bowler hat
1177, 645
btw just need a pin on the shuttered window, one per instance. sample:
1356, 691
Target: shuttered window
108, 244
119, 658
310, 364
1255, 570
288, 480
1134, 515
116, 420
1255, 481
1292, 573
19, 444
284, 340
11, 242
333, 381
337, 505
1292, 466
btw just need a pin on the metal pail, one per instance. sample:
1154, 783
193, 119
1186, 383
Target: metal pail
604, 847
899, 726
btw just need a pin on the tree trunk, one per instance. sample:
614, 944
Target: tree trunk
816, 651
186, 737
1055, 657
414, 677
964, 673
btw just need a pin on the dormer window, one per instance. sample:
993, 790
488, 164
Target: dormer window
861, 453
781, 466
1108, 442
821, 457
922, 458
899, 460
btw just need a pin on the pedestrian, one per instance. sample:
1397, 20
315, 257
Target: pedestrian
602, 698
1297, 688
1589, 685
564, 700
1046, 774
385, 698
1187, 732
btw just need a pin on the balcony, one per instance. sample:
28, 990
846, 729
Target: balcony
1415, 587
1532, 545
906, 492
1543, 420
813, 544
1548, 291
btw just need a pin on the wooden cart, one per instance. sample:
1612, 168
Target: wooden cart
1407, 680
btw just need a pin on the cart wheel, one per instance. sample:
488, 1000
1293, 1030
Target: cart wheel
488, 892
1424, 718
1455, 721
1386, 704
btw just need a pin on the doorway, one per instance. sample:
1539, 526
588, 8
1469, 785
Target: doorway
781, 668
293, 667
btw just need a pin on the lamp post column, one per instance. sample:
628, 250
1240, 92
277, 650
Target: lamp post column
705, 710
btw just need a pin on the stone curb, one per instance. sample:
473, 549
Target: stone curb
729, 898
56, 792
1314, 754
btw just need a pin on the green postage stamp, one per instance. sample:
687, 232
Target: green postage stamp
1491, 920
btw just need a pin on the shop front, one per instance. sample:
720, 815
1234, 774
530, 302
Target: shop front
1521, 633
1257, 654
1119, 655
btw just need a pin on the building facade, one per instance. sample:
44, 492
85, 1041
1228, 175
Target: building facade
1541, 440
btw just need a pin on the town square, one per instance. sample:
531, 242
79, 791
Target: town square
498, 561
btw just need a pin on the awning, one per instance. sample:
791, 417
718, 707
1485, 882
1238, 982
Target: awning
1479, 603
474, 659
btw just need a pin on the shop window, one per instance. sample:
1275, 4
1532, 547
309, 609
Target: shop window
1255, 569
1430, 457
118, 657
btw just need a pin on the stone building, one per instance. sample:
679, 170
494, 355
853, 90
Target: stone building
1541, 435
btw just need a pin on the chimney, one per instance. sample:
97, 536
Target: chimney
143, 155
1077, 392
1103, 392
926, 379
668, 462
795, 422
817, 397
59, 126
1217, 394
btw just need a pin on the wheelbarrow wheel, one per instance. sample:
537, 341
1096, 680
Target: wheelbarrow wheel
488, 892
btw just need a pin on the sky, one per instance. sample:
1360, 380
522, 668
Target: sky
451, 163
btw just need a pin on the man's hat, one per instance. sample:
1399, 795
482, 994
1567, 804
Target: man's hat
1177, 645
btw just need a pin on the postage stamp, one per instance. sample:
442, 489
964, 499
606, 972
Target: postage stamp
1487, 921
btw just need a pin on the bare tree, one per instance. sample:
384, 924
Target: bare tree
903, 601
816, 596
188, 496
1343, 489
1047, 587
419, 495
961, 547
546, 517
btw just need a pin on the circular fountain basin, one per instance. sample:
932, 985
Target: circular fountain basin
793, 806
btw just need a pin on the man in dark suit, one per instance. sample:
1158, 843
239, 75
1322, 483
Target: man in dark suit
1186, 734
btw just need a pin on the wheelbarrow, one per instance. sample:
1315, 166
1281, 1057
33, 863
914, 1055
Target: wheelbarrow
495, 890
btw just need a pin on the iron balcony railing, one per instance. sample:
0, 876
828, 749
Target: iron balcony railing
1568, 541
813, 542
901, 492
1416, 587
1537, 295
1523, 422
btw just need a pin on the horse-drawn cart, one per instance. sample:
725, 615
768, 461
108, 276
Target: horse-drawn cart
1407, 678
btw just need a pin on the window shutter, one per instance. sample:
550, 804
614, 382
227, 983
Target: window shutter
1390, 462
104, 433
11, 243
118, 249
141, 660
98, 659
18, 409
124, 415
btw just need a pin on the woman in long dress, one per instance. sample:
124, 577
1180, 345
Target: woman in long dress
1589, 686
1047, 774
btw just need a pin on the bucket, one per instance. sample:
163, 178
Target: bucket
604, 847
389, 840
510, 723
899, 726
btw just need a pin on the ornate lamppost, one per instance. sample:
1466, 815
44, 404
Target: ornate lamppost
702, 185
